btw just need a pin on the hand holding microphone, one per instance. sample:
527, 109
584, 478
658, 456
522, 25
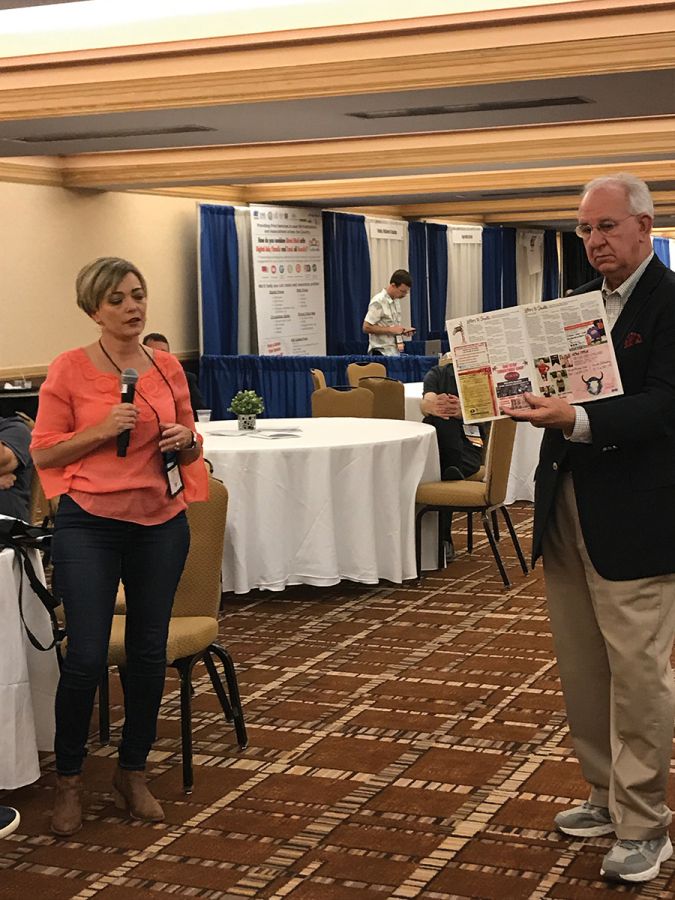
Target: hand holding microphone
129, 379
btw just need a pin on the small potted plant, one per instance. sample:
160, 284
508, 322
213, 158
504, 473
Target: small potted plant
246, 405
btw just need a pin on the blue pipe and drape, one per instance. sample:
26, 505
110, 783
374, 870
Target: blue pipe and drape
219, 267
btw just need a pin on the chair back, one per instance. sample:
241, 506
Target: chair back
498, 459
445, 360
353, 401
356, 371
318, 379
388, 397
198, 592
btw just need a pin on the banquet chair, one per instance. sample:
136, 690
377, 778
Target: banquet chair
445, 360
485, 497
388, 397
193, 628
318, 379
343, 400
357, 371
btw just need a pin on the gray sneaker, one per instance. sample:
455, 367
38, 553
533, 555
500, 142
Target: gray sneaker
636, 860
584, 821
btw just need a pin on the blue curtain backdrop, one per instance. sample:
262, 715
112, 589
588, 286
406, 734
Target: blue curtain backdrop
219, 269
499, 268
551, 284
428, 266
347, 279
284, 382
417, 266
662, 250
509, 281
437, 248
493, 253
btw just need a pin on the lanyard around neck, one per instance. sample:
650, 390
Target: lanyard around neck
144, 399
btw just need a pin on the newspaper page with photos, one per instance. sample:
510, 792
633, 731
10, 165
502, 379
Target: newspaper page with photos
560, 348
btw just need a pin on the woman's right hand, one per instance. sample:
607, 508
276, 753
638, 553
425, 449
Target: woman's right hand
121, 417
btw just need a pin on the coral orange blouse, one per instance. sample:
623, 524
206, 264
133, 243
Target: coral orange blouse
77, 395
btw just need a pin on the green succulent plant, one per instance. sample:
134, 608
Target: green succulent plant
246, 403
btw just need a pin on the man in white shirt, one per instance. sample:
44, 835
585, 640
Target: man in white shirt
382, 323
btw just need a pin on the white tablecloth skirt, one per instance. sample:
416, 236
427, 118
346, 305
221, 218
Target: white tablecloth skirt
336, 503
28, 679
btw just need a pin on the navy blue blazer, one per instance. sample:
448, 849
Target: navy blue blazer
625, 479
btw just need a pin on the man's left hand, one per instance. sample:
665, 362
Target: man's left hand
546, 412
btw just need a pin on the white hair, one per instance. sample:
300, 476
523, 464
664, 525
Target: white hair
637, 193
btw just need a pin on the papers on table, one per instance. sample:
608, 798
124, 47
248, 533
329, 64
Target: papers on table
273, 435
263, 434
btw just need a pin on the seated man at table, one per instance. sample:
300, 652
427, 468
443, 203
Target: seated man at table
159, 342
460, 446
16, 468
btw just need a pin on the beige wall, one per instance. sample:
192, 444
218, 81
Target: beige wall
48, 233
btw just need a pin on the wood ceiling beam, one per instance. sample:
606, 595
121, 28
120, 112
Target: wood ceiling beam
560, 205
362, 155
500, 46
47, 171
379, 188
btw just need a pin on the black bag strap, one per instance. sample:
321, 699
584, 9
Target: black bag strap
48, 600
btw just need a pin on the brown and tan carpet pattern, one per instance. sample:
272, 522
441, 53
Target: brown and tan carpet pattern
405, 742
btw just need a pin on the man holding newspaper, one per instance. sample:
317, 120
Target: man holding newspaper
605, 526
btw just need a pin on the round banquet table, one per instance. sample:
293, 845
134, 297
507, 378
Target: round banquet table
28, 677
333, 500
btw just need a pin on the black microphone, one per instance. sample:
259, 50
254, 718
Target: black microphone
129, 379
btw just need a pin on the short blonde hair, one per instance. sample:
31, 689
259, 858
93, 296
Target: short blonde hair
100, 277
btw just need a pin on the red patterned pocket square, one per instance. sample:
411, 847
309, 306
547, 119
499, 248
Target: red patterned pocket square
632, 338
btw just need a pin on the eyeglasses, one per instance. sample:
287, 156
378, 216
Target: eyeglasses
607, 227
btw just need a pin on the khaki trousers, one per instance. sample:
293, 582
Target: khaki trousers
613, 640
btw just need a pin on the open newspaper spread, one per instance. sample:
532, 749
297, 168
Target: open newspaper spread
560, 348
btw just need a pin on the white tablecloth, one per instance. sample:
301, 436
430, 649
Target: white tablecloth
523, 462
413, 397
336, 501
28, 678
525, 448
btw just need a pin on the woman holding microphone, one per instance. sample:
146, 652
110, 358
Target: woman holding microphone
121, 517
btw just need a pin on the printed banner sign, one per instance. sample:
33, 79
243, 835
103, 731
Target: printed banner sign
287, 249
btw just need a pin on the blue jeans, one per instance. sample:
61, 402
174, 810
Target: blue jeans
91, 554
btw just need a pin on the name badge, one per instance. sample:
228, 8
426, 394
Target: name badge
174, 479
472, 431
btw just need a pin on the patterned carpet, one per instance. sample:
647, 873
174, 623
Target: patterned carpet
405, 742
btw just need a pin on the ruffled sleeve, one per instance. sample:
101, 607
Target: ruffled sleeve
55, 421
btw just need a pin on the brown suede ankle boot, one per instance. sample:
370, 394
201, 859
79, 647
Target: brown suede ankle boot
67, 814
130, 792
